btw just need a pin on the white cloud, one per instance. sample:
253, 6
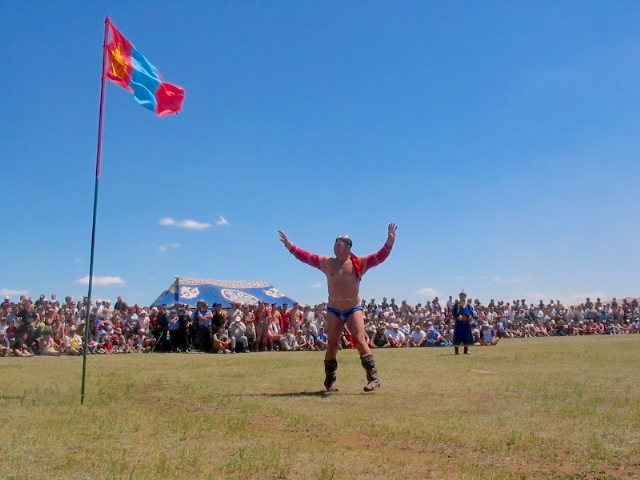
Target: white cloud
164, 248
166, 221
316, 285
427, 292
101, 281
222, 221
190, 224
9, 291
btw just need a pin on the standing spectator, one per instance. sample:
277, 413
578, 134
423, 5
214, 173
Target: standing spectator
262, 325
285, 314
273, 333
295, 316
203, 318
249, 318
180, 336
219, 319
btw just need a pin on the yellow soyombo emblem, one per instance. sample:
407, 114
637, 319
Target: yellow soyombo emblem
119, 65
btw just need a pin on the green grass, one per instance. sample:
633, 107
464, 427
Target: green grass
552, 408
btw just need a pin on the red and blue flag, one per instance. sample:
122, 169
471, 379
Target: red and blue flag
127, 67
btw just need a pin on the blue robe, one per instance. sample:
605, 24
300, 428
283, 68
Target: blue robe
462, 328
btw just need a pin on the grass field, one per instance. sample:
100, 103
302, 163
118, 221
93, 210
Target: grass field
549, 408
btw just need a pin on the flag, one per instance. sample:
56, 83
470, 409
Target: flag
127, 67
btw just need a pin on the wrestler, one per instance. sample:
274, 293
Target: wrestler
344, 272
463, 313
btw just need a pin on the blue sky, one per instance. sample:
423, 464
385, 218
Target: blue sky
501, 137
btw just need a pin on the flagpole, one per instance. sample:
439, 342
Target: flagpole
87, 326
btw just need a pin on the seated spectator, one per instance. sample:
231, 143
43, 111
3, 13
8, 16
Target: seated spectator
146, 341
397, 339
48, 345
488, 335
105, 343
72, 342
5, 346
433, 338
21, 346
288, 341
381, 338
305, 341
237, 333
346, 340
221, 342
321, 339
417, 338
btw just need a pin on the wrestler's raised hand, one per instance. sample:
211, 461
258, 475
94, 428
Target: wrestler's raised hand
392, 232
284, 239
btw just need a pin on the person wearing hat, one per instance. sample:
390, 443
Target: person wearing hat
203, 318
396, 337
462, 313
433, 338
238, 335
488, 335
344, 272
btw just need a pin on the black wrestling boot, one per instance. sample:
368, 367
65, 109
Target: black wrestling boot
330, 367
369, 365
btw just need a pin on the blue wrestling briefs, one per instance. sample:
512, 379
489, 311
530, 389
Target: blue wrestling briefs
344, 314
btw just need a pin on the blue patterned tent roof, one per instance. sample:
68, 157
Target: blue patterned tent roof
189, 290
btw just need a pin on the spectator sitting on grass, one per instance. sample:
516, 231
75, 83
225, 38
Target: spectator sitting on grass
72, 342
221, 342
434, 338
288, 341
321, 339
417, 338
488, 335
381, 338
237, 333
305, 341
5, 346
396, 337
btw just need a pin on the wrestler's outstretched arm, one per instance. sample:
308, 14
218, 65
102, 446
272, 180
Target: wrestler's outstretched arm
381, 255
309, 258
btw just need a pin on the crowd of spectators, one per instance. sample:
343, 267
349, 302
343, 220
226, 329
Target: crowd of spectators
47, 326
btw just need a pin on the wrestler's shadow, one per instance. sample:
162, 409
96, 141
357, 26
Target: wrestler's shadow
319, 394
